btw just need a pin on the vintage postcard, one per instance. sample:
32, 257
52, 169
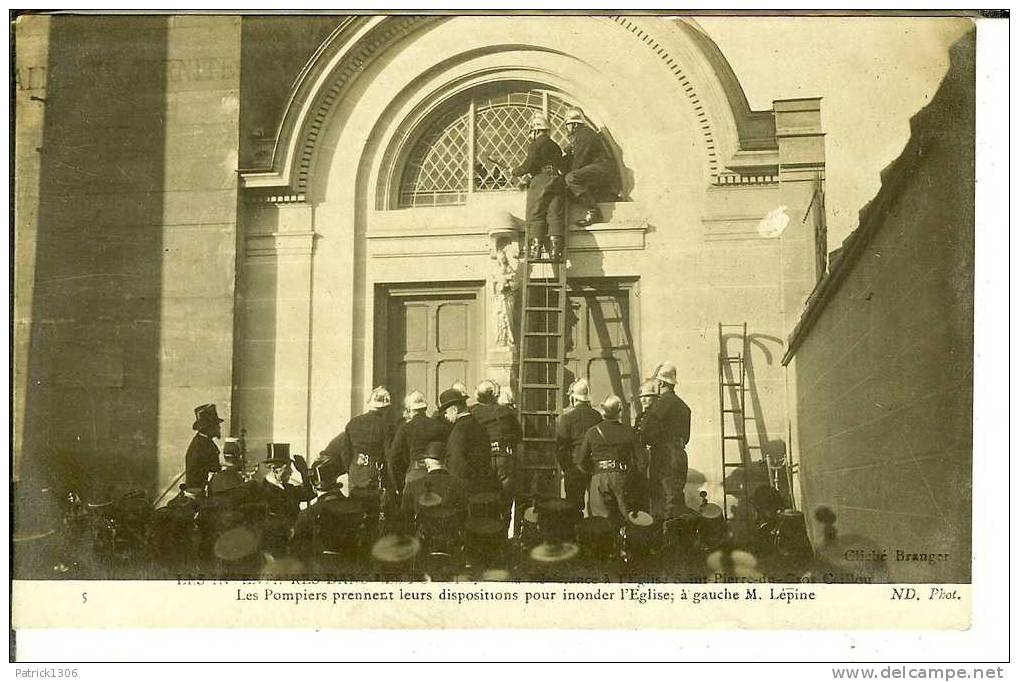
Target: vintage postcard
517, 320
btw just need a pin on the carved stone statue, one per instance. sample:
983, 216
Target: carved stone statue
505, 282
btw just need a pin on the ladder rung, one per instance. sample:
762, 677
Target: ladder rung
731, 384
545, 360
732, 437
544, 283
541, 333
542, 309
733, 358
732, 464
735, 410
537, 413
537, 439
527, 386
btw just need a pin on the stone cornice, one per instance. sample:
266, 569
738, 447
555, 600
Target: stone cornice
346, 53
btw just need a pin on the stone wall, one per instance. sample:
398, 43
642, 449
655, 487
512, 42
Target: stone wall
884, 355
134, 238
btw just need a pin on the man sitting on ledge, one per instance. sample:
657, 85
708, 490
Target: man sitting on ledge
590, 173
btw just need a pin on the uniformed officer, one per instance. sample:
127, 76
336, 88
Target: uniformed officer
282, 490
330, 522
637, 480
590, 172
666, 429
570, 430
545, 217
407, 452
362, 445
468, 450
437, 481
607, 451
202, 458
504, 433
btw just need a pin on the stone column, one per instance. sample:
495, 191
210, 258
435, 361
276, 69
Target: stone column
294, 246
504, 300
801, 187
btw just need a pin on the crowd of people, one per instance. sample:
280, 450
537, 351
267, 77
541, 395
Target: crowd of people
412, 495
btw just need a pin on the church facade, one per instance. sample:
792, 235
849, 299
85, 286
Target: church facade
276, 215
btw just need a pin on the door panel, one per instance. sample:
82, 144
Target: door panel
430, 341
600, 344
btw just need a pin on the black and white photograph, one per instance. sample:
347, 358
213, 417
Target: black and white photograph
493, 298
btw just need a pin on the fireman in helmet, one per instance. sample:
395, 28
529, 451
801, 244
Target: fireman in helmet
590, 171
545, 208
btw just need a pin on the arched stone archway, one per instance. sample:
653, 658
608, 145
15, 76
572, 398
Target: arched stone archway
335, 251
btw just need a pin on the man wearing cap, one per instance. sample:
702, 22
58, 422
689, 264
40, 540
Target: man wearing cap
639, 493
571, 428
282, 494
590, 172
467, 448
666, 429
437, 483
544, 210
362, 445
607, 451
504, 433
331, 520
202, 457
407, 452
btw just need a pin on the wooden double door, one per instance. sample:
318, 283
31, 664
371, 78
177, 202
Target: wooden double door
429, 337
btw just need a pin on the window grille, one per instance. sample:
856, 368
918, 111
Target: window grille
437, 173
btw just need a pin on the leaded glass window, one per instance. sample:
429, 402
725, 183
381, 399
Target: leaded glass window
474, 145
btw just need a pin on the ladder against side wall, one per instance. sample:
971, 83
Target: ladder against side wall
542, 360
737, 464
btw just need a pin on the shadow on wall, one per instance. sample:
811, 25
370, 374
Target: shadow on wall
92, 400
769, 458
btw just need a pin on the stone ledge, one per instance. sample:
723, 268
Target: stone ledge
474, 240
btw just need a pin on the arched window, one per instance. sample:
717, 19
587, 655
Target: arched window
474, 143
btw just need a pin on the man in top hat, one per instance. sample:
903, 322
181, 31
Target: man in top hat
570, 430
282, 494
666, 429
504, 433
544, 210
202, 457
438, 484
406, 456
330, 518
467, 448
607, 451
362, 445
590, 171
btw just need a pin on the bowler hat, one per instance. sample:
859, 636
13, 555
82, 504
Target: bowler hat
236, 544
451, 397
554, 553
325, 472
436, 449
277, 453
205, 415
395, 549
225, 481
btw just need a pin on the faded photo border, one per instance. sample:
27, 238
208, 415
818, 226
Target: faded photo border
52, 625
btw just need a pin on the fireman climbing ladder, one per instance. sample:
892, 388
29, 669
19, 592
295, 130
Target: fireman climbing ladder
542, 348
732, 402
